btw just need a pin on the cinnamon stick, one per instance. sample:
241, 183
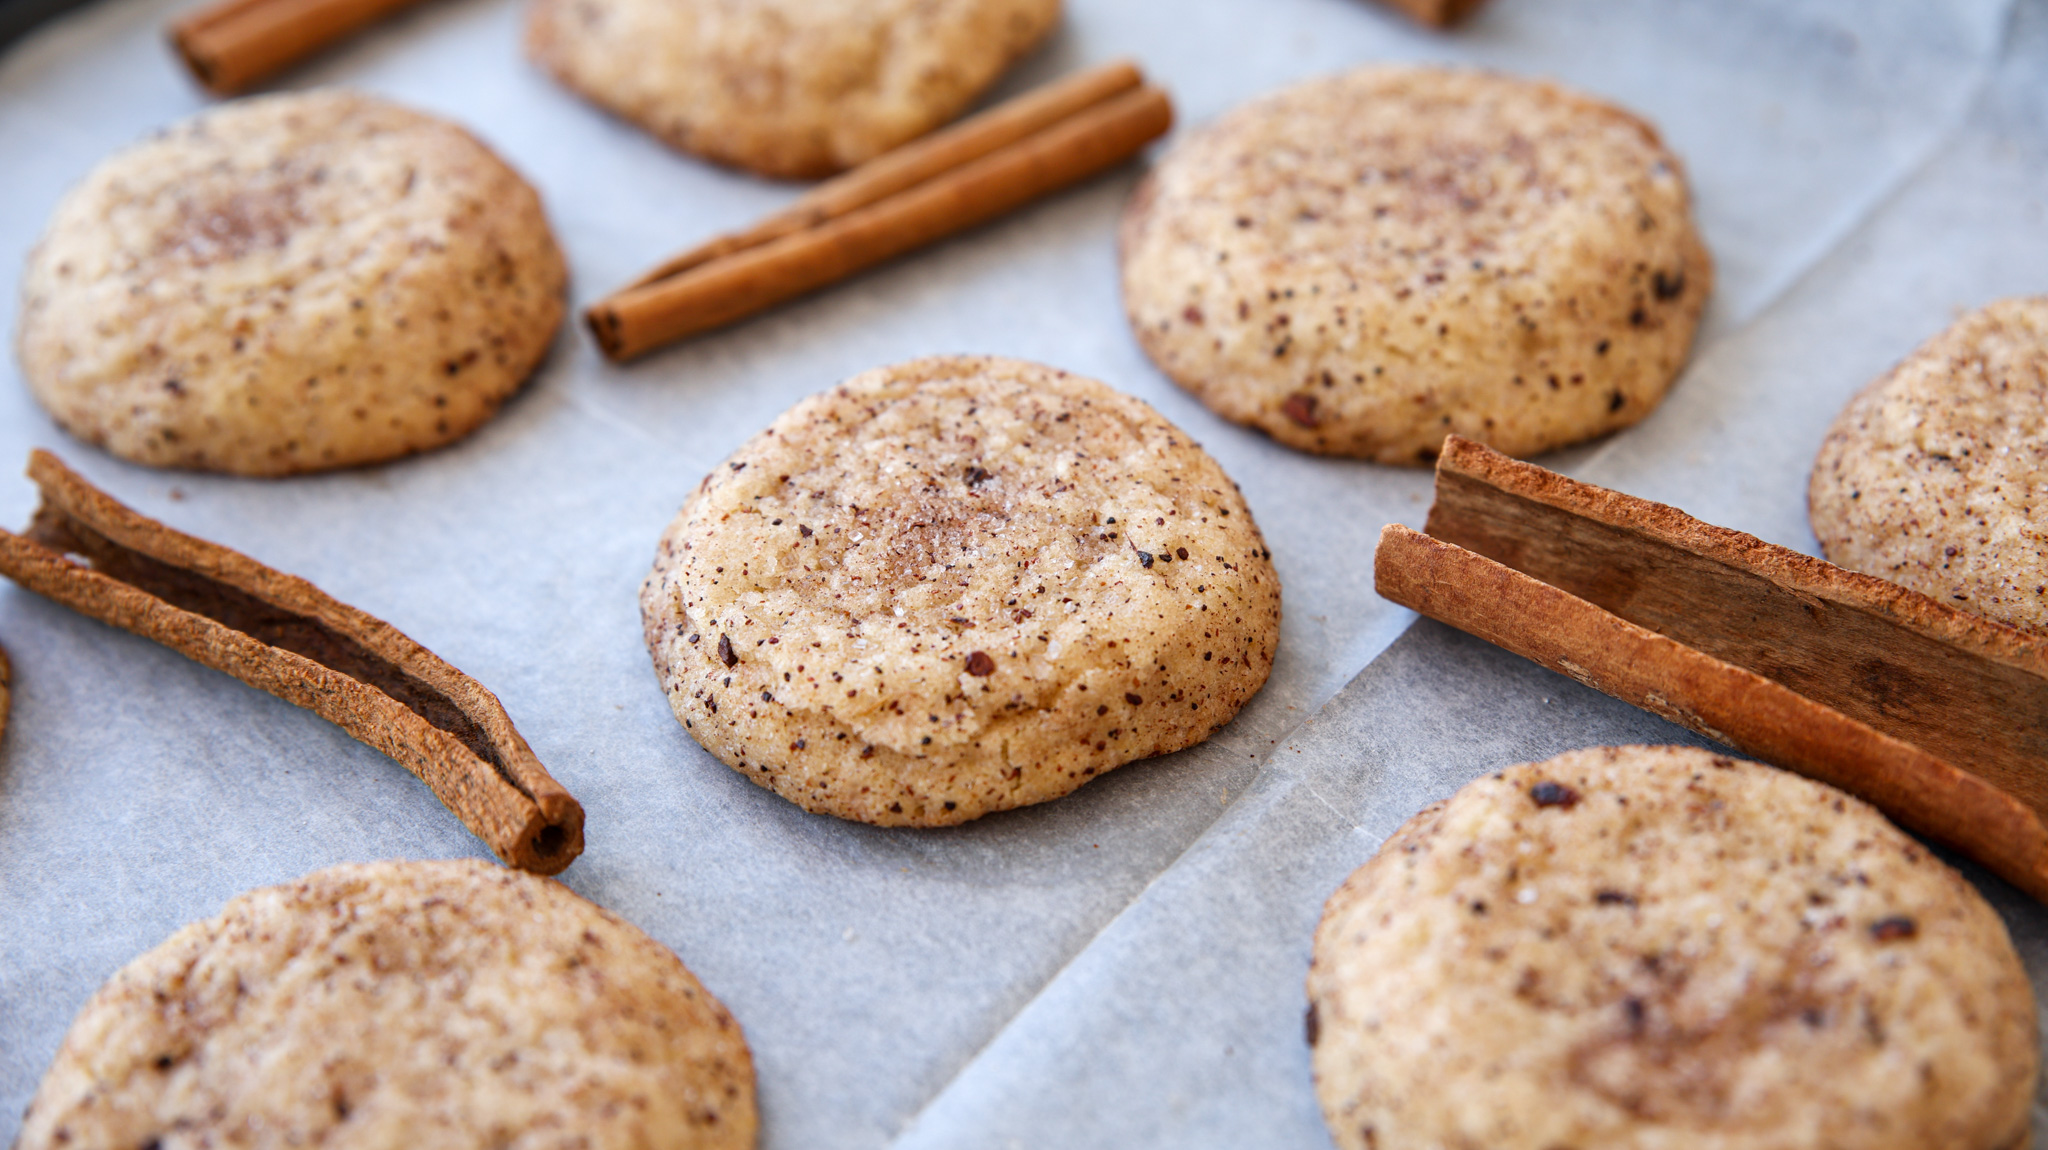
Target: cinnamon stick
233, 45
280, 633
921, 160
999, 161
1937, 717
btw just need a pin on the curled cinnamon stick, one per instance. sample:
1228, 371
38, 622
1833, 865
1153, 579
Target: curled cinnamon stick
918, 161
233, 45
996, 162
1717, 699
1938, 718
280, 633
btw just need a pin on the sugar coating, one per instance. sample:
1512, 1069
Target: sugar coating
1655, 947
955, 586
433, 1004
791, 88
1362, 264
287, 284
1934, 475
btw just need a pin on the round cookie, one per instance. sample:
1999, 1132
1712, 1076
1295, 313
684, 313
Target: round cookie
288, 284
790, 88
1362, 264
1659, 946
446, 1004
956, 586
1931, 476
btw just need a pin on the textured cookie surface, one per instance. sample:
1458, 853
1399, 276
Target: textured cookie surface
1933, 477
955, 586
288, 284
1362, 264
794, 88
443, 1004
1660, 947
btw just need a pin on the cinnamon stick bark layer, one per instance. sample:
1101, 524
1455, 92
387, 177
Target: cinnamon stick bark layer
282, 634
1938, 717
234, 45
968, 175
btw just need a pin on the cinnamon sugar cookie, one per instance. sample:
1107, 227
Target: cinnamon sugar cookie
1659, 946
955, 586
1362, 264
1933, 475
791, 88
287, 284
447, 1004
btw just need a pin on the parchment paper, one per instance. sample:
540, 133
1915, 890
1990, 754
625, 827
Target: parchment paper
1122, 967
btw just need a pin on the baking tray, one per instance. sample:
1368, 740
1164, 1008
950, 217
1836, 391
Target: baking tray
1122, 966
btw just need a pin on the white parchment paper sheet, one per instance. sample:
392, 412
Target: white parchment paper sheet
1120, 967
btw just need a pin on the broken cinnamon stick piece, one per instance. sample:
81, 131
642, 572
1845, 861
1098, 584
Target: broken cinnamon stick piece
1937, 717
282, 634
890, 206
233, 45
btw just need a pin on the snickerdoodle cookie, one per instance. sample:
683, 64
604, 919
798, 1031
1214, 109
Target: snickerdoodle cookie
1659, 946
1933, 475
443, 1004
290, 283
955, 586
1362, 264
792, 88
